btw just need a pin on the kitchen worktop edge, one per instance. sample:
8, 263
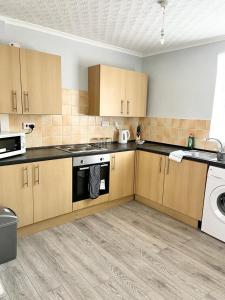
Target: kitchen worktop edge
50, 153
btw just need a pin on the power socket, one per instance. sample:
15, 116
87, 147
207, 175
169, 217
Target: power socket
28, 125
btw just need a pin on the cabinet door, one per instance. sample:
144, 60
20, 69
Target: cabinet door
184, 187
141, 95
41, 82
10, 89
52, 188
16, 191
121, 175
150, 175
136, 94
112, 91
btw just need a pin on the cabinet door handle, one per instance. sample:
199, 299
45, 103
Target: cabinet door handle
25, 177
14, 100
26, 101
121, 111
128, 107
160, 165
113, 162
168, 166
36, 175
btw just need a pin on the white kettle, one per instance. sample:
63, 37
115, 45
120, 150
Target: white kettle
124, 136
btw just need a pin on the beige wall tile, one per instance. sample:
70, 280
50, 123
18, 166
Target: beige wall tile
66, 109
66, 130
175, 131
67, 120
46, 120
57, 120
75, 120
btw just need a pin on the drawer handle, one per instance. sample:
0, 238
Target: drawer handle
26, 101
36, 178
121, 107
14, 100
128, 107
168, 167
25, 177
113, 162
160, 165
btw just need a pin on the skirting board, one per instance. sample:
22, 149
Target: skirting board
172, 213
30, 229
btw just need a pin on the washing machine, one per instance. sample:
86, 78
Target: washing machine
213, 220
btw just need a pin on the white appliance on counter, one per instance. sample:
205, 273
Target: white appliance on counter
124, 136
213, 220
12, 143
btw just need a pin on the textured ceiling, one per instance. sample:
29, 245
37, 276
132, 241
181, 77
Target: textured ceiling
129, 24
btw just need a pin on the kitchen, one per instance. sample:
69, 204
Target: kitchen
112, 176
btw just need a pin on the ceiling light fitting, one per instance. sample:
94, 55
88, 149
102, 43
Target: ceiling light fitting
163, 4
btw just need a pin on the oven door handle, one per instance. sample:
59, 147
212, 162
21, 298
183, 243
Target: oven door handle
105, 165
85, 168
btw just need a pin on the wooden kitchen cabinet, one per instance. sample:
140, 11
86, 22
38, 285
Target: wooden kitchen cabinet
16, 191
41, 82
106, 91
10, 87
136, 94
52, 188
116, 92
184, 187
30, 82
121, 182
149, 175
37, 191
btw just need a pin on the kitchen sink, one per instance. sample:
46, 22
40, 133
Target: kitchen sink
202, 155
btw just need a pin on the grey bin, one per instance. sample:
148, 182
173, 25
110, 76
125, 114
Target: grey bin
8, 235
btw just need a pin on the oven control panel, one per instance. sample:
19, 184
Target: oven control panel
90, 160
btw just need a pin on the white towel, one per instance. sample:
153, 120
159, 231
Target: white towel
2, 292
178, 155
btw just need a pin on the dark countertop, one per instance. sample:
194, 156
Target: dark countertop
49, 153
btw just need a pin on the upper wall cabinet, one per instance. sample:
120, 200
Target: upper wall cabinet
10, 87
116, 92
30, 82
41, 82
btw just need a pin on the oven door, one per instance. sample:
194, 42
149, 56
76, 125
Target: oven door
81, 182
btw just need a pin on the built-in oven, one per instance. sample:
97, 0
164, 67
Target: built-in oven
81, 175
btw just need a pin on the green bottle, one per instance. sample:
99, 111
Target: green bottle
191, 142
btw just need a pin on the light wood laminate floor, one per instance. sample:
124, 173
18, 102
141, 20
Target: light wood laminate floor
128, 252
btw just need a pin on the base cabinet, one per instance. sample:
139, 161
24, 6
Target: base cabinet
150, 175
177, 186
121, 182
37, 191
184, 187
16, 191
52, 188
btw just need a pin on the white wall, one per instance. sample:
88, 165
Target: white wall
182, 82
76, 56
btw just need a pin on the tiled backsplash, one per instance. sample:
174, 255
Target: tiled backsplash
176, 131
73, 126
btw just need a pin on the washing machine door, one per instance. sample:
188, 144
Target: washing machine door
217, 201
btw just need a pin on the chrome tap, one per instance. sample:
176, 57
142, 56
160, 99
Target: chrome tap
220, 153
218, 141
